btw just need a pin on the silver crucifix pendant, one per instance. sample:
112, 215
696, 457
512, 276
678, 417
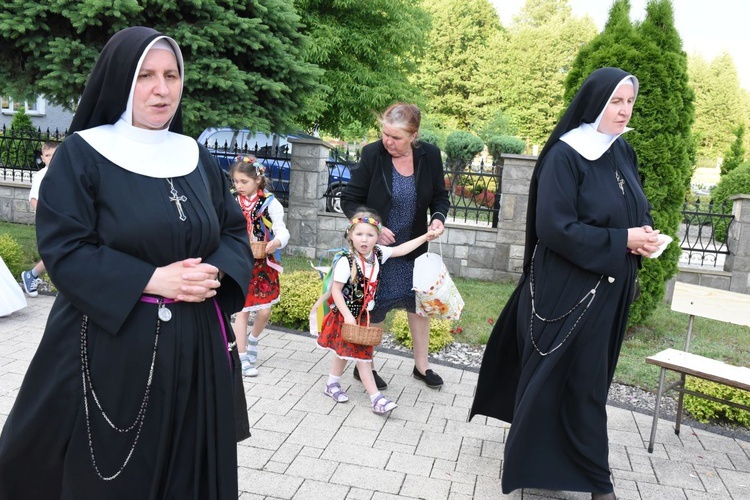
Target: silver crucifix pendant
178, 200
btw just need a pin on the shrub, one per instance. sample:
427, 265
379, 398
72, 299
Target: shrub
461, 148
429, 137
440, 332
704, 410
12, 254
500, 144
299, 291
735, 182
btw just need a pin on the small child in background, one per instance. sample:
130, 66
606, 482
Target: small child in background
29, 278
265, 222
353, 288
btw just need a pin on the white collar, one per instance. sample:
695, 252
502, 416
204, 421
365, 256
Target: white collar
588, 142
153, 153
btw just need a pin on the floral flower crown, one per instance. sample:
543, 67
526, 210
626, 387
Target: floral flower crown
366, 220
260, 169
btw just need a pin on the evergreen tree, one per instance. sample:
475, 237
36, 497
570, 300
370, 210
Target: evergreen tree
368, 51
459, 39
718, 104
735, 156
531, 66
662, 120
244, 60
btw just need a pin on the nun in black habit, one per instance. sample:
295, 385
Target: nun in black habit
129, 395
552, 354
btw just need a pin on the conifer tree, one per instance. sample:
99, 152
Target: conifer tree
662, 120
459, 39
735, 156
244, 60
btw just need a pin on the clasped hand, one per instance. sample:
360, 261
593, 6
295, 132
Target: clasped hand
189, 280
643, 240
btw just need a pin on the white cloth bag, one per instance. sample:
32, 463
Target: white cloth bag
435, 293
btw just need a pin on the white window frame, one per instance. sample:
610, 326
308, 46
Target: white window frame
40, 103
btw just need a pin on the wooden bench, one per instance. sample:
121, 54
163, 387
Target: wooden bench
711, 303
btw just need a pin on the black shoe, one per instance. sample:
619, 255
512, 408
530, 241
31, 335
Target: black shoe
430, 378
379, 382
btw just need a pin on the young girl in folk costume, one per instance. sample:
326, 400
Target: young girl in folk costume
354, 287
265, 222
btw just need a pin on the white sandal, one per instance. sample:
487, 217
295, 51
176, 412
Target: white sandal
336, 392
383, 405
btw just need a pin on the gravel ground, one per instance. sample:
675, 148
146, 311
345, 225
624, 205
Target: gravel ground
469, 357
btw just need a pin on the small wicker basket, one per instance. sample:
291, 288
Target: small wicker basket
259, 249
362, 335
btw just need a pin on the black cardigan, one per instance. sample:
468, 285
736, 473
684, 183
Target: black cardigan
371, 185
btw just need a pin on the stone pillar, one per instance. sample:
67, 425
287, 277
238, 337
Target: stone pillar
308, 181
511, 227
738, 242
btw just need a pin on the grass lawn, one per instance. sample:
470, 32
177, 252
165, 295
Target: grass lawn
484, 301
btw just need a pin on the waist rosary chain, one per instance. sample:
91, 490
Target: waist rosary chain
591, 293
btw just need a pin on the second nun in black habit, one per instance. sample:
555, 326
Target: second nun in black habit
552, 354
129, 395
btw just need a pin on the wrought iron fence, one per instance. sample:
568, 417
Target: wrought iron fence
474, 193
703, 233
21, 152
277, 160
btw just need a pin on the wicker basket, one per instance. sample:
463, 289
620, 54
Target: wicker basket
259, 249
362, 335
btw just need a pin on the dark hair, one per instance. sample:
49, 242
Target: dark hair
251, 167
50, 144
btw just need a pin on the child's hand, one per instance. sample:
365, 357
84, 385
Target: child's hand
272, 246
349, 319
433, 234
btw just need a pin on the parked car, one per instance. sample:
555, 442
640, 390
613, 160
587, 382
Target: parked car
275, 151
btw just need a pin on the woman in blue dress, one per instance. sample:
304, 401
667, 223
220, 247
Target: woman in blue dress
402, 179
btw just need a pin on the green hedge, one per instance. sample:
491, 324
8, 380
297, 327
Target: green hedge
440, 332
12, 254
704, 410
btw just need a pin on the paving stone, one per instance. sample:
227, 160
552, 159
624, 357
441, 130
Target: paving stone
368, 478
738, 483
659, 492
353, 454
711, 481
439, 446
480, 466
312, 468
410, 464
319, 438
268, 483
287, 453
678, 474
425, 488
354, 435
320, 490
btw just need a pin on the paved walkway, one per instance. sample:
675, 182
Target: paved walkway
306, 447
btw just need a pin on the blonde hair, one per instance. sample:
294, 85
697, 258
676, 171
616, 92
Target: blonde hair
363, 215
401, 115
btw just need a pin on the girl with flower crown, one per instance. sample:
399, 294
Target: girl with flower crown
354, 285
265, 223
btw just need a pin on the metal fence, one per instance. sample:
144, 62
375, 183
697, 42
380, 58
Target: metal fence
21, 152
474, 193
277, 160
704, 232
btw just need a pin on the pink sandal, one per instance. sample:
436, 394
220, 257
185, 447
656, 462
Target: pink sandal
336, 392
